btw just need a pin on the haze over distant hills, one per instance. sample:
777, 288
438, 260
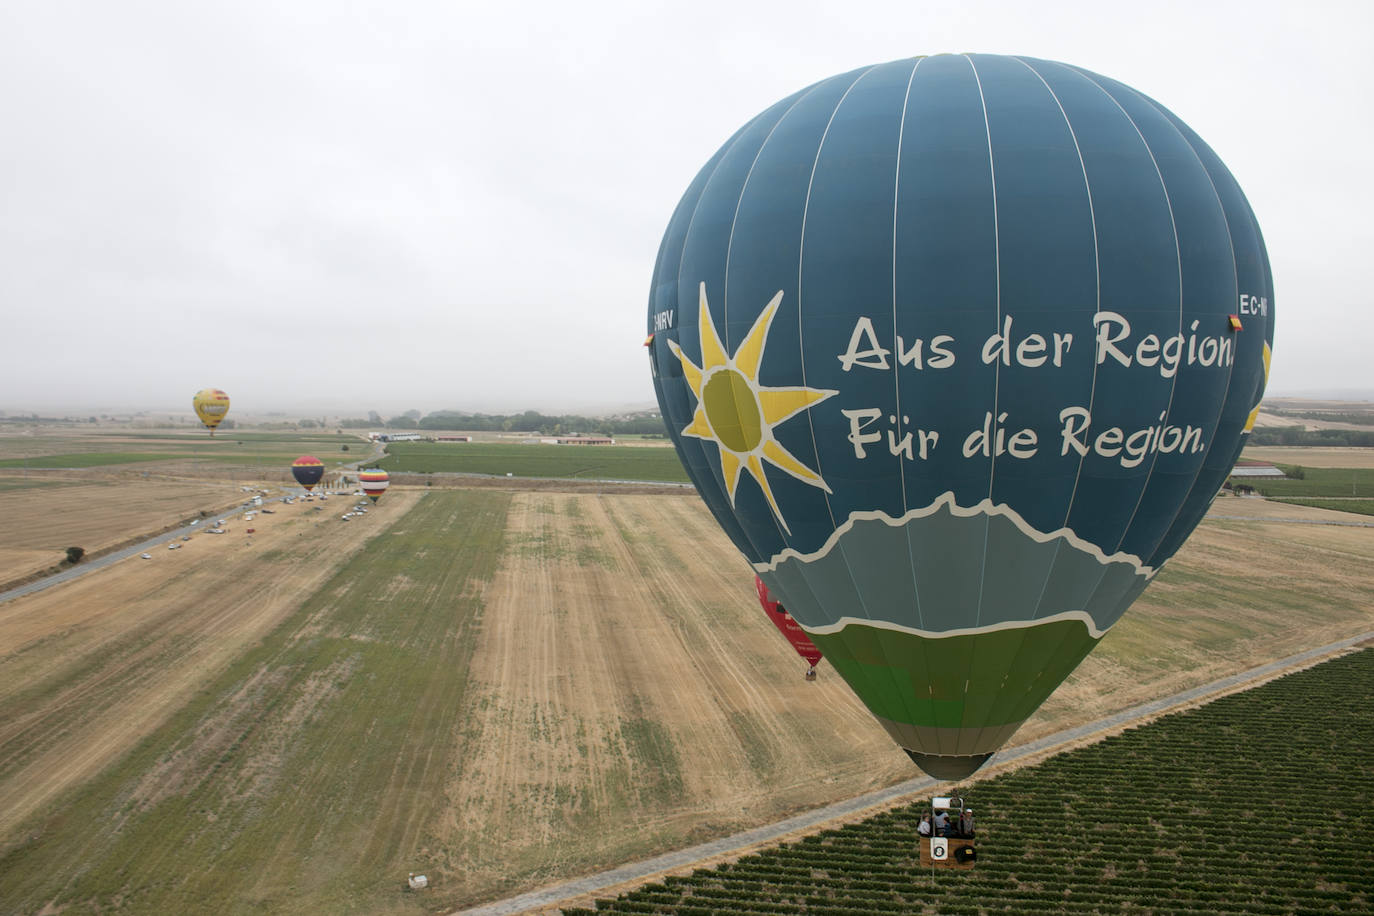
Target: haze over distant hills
553, 406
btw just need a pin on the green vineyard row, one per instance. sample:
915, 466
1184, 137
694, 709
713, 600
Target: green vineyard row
1261, 802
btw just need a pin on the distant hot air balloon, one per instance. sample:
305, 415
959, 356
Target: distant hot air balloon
958, 350
211, 405
374, 482
788, 627
308, 471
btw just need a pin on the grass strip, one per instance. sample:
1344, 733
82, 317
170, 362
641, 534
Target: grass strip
605, 462
301, 779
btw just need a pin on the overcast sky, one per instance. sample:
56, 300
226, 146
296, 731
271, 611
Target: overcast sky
334, 206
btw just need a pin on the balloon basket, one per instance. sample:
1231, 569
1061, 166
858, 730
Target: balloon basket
957, 852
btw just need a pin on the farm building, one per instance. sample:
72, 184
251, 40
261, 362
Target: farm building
1255, 469
452, 438
577, 440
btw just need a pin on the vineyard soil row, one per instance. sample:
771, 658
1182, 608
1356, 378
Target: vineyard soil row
1261, 802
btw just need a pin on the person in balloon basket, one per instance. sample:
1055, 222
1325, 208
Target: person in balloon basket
966, 823
923, 828
942, 823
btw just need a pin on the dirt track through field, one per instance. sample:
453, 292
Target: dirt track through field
627, 695
87, 669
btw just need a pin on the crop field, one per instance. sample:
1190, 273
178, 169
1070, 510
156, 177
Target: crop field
1312, 457
1319, 482
607, 462
1361, 506
80, 448
501, 688
1261, 802
43, 517
24, 482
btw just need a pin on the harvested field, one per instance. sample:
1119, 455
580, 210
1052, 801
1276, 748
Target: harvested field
1312, 457
629, 697
505, 689
1238, 594
43, 520
89, 668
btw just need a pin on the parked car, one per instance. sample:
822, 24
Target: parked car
147, 556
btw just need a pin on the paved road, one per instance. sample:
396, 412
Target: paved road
592, 884
87, 566
91, 565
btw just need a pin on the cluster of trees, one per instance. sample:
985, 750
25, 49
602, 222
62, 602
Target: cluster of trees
530, 421
1296, 435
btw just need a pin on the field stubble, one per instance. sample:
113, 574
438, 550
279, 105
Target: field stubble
512, 688
45, 514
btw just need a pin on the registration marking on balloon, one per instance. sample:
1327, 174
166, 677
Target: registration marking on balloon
737, 413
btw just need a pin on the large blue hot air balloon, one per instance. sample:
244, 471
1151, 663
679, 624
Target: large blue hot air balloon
958, 350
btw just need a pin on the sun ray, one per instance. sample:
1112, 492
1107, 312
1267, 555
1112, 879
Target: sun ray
712, 350
729, 468
738, 414
756, 471
778, 404
776, 454
689, 369
699, 427
750, 352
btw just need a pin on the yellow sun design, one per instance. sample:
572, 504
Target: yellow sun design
738, 414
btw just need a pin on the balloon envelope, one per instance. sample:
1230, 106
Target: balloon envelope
374, 482
210, 405
308, 471
958, 350
788, 627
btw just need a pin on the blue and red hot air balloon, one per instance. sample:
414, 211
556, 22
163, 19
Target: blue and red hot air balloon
958, 350
308, 471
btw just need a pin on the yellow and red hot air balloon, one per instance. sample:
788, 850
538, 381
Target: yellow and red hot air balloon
210, 405
308, 471
374, 482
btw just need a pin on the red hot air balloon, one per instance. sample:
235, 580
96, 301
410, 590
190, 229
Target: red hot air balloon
789, 628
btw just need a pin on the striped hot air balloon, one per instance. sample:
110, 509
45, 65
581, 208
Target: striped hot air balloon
210, 405
958, 350
308, 471
374, 482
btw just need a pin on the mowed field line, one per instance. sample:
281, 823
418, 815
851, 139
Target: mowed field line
91, 667
628, 695
507, 689
310, 764
738, 730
